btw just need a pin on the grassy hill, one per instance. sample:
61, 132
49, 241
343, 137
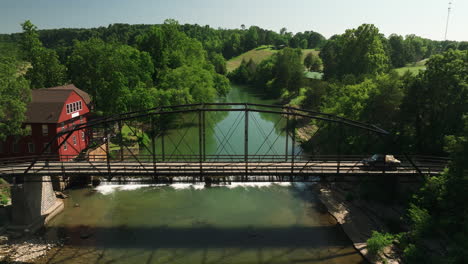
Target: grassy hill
258, 55
414, 68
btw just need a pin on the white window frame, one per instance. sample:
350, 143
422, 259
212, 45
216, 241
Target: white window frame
74, 140
82, 136
65, 146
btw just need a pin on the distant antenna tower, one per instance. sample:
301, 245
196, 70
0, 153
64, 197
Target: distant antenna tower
448, 17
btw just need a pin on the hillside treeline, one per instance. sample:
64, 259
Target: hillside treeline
425, 113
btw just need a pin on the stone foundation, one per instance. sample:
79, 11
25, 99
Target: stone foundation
33, 203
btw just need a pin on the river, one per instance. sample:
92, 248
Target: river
184, 223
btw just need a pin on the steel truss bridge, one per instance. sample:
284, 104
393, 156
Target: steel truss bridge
153, 145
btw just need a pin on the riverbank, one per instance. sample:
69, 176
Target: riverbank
359, 218
25, 249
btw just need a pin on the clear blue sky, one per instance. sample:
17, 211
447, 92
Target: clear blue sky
422, 17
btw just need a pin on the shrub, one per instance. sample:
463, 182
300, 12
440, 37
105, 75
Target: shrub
3, 199
378, 241
421, 220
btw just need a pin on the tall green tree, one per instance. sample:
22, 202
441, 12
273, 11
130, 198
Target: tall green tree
357, 52
15, 95
195, 84
436, 101
109, 72
46, 70
313, 62
289, 70
397, 50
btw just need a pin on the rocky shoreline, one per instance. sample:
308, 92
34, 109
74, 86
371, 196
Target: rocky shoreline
25, 249
358, 219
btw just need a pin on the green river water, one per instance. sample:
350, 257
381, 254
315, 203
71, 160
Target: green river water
184, 223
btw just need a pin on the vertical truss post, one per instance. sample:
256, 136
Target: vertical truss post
340, 138
161, 131
293, 135
200, 142
287, 137
107, 150
121, 141
246, 142
204, 134
153, 143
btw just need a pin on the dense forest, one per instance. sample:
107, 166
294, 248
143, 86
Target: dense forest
130, 67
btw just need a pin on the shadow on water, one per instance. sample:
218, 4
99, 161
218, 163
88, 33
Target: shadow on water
171, 245
122, 237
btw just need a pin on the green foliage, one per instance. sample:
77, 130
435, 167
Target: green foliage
5, 194
397, 52
436, 101
280, 73
181, 65
307, 40
15, 95
245, 73
378, 241
413, 254
194, 83
357, 52
218, 62
110, 73
313, 62
46, 70
420, 218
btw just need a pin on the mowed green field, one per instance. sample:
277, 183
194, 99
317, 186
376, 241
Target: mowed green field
258, 55
413, 68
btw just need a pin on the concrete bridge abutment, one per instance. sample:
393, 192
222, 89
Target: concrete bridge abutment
34, 203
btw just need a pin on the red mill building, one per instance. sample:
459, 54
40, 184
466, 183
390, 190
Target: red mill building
51, 110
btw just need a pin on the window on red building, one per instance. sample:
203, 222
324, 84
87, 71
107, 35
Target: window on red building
46, 149
82, 136
65, 146
74, 140
45, 129
15, 147
31, 147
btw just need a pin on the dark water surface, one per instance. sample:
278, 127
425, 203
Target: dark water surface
183, 223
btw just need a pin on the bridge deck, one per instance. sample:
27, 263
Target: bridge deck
212, 169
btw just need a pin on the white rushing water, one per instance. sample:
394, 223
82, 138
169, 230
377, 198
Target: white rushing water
110, 188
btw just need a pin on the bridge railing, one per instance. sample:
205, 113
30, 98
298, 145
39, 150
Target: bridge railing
215, 165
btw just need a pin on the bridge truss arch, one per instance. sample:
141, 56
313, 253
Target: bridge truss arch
174, 141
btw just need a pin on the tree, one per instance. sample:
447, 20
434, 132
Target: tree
16, 94
195, 84
357, 52
218, 62
397, 51
251, 38
313, 62
289, 70
46, 70
110, 72
436, 101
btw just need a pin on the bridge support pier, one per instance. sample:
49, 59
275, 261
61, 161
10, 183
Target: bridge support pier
33, 204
